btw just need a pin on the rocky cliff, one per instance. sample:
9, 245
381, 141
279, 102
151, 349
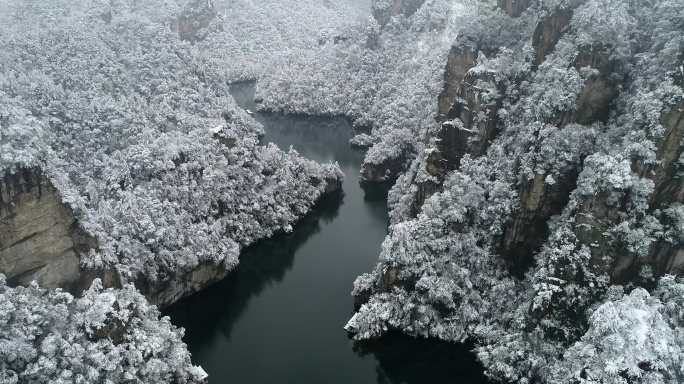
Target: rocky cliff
469, 108
383, 11
169, 204
42, 241
551, 180
39, 237
191, 24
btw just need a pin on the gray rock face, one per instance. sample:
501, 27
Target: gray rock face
608, 254
600, 89
385, 172
666, 259
467, 118
182, 285
453, 141
39, 237
548, 32
41, 240
469, 122
526, 231
514, 8
425, 190
597, 214
383, 12
462, 58
669, 186
192, 22
468, 106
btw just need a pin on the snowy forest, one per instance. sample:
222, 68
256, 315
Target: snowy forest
531, 149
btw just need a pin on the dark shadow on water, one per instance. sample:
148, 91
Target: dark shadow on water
320, 138
243, 93
215, 309
375, 192
279, 316
406, 360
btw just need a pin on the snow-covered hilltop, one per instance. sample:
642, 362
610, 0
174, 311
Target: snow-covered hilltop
534, 148
143, 144
551, 185
247, 40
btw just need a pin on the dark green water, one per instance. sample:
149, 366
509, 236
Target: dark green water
278, 318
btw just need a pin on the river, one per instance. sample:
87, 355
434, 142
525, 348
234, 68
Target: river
278, 318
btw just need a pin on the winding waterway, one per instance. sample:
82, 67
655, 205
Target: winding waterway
278, 318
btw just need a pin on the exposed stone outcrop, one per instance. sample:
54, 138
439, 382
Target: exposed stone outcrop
600, 88
453, 141
596, 216
39, 237
383, 11
527, 230
332, 185
570, 119
666, 258
196, 17
468, 112
548, 32
462, 58
669, 185
468, 105
514, 8
181, 285
385, 172
426, 189
41, 240
429, 179
474, 120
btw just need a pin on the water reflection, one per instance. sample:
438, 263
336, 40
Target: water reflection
215, 310
279, 316
405, 360
319, 138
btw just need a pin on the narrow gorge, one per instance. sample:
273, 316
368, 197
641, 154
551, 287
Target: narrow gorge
371, 191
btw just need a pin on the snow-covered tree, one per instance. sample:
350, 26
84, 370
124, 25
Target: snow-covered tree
108, 336
142, 137
629, 340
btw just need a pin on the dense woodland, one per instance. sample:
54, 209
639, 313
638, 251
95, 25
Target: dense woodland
533, 148
143, 139
105, 336
542, 241
146, 146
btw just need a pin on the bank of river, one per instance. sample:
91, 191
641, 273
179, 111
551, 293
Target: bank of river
278, 318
